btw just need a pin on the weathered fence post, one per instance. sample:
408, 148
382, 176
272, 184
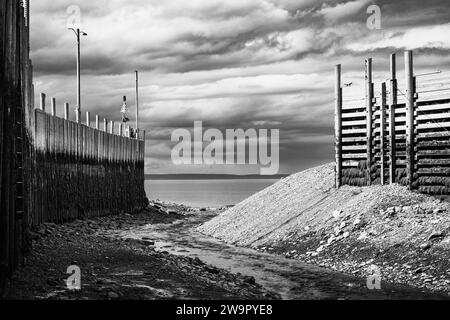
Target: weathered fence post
369, 117
111, 129
105, 125
338, 125
410, 94
88, 118
66, 111
392, 106
382, 132
42, 104
120, 129
77, 115
97, 122
53, 106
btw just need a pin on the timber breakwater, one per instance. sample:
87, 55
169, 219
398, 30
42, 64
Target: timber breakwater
55, 167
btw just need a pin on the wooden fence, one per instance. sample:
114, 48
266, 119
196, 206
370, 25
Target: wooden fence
16, 92
53, 169
82, 171
401, 135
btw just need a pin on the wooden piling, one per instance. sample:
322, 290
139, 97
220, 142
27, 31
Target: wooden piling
392, 105
88, 118
382, 133
338, 125
410, 93
369, 117
66, 111
42, 102
97, 122
53, 107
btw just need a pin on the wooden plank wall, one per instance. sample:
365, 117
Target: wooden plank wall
425, 133
15, 101
83, 172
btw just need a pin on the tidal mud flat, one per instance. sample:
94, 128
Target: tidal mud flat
117, 268
158, 254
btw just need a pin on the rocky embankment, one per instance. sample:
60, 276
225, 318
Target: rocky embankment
117, 268
405, 236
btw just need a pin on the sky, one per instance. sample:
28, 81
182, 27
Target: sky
263, 64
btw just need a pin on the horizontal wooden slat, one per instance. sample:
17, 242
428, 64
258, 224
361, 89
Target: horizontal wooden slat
433, 144
354, 139
352, 148
350, 163
433, 171
354, 115
435, 162
430, 135
354, 123
434, 125
354, 131
435, 107
354, 156
434, 116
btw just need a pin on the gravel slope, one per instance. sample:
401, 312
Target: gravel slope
405, 234
266, 215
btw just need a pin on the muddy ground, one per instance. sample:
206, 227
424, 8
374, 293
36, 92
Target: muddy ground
124, 257
117, 268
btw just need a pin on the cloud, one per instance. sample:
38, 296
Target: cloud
343, 10
231, 64
415, 38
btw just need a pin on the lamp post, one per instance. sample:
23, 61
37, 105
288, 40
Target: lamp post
78, 34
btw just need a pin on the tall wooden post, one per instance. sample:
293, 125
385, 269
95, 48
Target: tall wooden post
66, 111
410, 93
97, 122
338, 125
111, 129
105, 125
137, 99
88, 118
121, 129
53, 107
369, 117
42, 102
382, 133
392, 106
77, 115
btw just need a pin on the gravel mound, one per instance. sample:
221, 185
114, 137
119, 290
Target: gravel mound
404, 234
305, 203
279, 206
